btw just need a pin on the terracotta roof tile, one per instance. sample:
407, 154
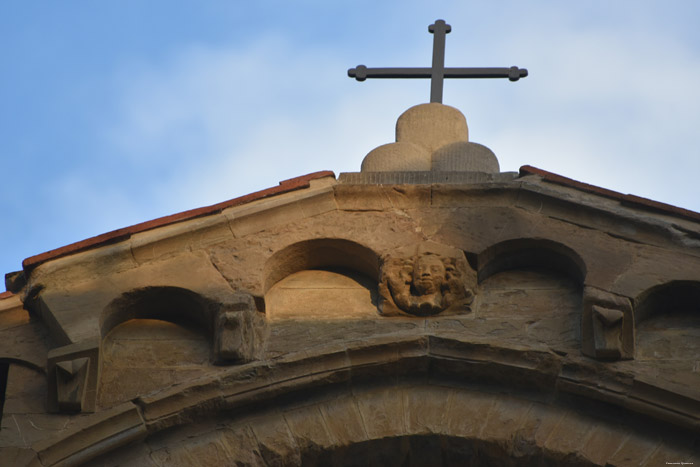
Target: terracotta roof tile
126, 232
4, 295
633, 200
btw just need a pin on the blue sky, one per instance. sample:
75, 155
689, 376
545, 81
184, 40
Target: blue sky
113, 113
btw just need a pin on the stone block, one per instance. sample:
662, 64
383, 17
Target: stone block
243, 446
73, 374
318, 294
675, 454
309, 429
11, 312
607, 325
537, 427
269, 213
468, 412
382, 413
238, 330
343, 420
207, 449
569, 436
425, 409
275, 440
381, 198
171, 240
635, 450
602, 443
71, 384
504, 420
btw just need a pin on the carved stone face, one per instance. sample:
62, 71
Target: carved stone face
428, 274
424, 280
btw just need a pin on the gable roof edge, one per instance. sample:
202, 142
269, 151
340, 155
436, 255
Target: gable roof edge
115, 236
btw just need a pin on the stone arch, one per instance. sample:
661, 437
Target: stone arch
502, 402
667, 321
320, 253
531, 252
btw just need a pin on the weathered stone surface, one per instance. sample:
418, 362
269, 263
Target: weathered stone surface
141, 356
397, 157
344, 421
635, 450
468, 413
71, 384
382, 413
603, 442
570, 435
431, 126
560, 280
425, 409
18, 456
239, 330
309, 429
463, 156
318, 294
607, 326
504, 421
73, 375
207, 449
275, 440
97, 434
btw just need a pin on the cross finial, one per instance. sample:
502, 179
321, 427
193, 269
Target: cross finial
437, 73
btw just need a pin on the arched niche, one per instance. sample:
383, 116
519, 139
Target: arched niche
533, 289
173, 304
323, 253
667, 322
152, 338
323, 279
531, 253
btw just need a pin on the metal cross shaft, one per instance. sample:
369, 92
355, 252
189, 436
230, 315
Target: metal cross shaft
437, 73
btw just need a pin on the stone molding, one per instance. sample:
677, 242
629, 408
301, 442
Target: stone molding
448, 364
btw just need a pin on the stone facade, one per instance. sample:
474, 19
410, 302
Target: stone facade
441, 315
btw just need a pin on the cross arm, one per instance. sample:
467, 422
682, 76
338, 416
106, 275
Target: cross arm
361, 73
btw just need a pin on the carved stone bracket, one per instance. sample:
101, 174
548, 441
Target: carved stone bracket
607, 327
424, 280
73, 373
239, 330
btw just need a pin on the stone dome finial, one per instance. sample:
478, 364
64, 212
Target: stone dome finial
431, 137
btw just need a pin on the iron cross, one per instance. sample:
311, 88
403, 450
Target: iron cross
437, 73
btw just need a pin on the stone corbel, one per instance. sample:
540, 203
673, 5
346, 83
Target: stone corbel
239, 330
73, 372
607, 326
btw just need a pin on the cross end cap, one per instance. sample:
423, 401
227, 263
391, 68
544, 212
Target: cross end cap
515, 73
359, 73
440, 24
